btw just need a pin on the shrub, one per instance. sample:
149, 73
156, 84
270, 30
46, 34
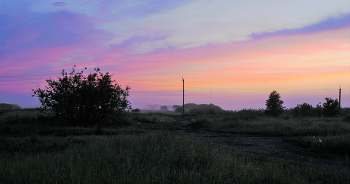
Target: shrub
136, 110
178, 109
164, 108
84, 101
318, 110
175, 107
199, 123
9, 106
304, 110
250, 114
207, 110
188, 107
330, 107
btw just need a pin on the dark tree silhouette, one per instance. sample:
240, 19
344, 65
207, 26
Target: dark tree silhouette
303, 110
175, 106
330, 107
136, 110
84, 101
274, 104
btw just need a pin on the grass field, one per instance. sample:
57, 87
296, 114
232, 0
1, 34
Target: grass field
320, 135
326, 135
36, 149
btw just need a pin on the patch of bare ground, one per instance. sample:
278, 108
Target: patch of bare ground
270, 147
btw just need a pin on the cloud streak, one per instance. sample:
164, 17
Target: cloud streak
333, 23
201, 23
59, 4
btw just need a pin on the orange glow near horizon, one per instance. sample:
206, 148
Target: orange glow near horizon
316, 58
288, 64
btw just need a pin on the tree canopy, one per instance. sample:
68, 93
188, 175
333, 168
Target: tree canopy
274, 104
330, 107
84, 100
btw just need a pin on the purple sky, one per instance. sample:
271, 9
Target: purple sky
231, 53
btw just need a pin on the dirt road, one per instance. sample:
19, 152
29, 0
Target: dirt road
272, 147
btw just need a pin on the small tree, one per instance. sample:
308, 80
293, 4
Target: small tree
84, 101
330, 107
274, 104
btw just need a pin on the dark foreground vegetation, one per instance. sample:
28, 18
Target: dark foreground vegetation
38, 148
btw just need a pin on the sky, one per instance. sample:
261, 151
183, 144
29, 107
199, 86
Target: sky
231, 53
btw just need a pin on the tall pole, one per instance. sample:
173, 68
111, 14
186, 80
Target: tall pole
339, 97
183, 96
210, 96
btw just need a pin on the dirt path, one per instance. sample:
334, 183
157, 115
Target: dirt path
272, 147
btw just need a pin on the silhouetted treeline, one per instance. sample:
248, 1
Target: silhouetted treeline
300, 111
9, 106
203, 109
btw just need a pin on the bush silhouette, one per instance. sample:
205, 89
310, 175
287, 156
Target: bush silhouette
318, 110
9, 106
330, 107
249, 114
175, 107
136, 110
274, 104
303, 110
84, 101
205, 109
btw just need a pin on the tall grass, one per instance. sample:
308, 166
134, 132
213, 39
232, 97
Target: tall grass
150, 158
26, 122
127, 155
337, 144
156, 118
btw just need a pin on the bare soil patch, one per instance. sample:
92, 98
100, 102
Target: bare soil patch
271, 147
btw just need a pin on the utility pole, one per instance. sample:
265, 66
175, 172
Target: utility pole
339, 97
183, 96
210, 96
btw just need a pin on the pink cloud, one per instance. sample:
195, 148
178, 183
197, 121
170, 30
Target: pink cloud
28, 59
267, 58
288, 64
240, 74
